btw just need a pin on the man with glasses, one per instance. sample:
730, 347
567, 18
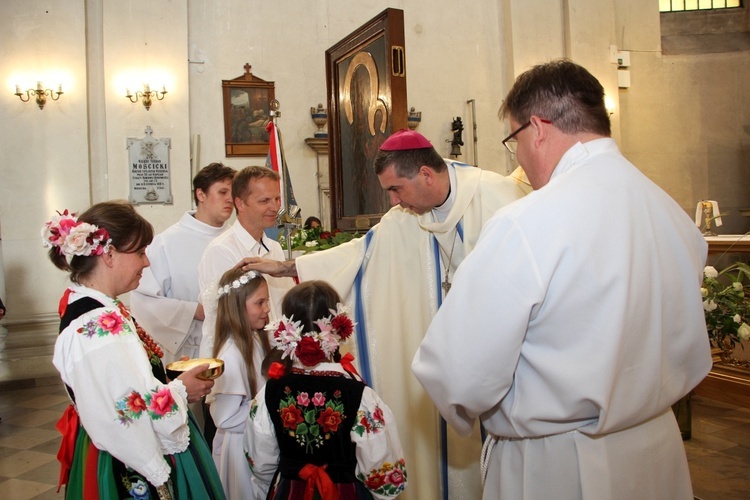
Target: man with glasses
396, 277
577, 321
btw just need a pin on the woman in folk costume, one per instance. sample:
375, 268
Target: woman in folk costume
316, 430
242, 313
128, 433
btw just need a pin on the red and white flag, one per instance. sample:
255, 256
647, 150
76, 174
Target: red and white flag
275, 159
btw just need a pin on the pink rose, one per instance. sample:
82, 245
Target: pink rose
111, 322
303, 399
161, 402
395, 477
319, 399
67, 223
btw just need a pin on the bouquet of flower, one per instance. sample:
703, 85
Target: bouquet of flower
726, 304
314, 239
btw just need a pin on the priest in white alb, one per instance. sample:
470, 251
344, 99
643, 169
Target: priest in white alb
577, 321
166, 300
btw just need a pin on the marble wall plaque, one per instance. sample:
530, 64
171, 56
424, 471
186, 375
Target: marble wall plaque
148, 165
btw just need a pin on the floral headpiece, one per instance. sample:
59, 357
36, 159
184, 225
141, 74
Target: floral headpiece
242, 280
72, 237
311, 348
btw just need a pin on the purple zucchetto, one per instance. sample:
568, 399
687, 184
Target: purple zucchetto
405, 139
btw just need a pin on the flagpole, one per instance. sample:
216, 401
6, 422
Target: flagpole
287, 213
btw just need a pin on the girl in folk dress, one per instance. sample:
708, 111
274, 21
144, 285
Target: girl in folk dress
316, 430
242, 313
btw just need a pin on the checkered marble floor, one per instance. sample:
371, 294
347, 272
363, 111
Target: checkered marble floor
719, 451
29, 442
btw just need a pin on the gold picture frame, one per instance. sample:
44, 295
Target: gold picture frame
366, 79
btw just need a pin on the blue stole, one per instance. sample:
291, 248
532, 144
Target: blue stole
443, 424
364, 348
359, 316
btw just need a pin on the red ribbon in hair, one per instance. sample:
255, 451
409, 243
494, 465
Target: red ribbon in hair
317, 478
68, 427
346, 363
276, 370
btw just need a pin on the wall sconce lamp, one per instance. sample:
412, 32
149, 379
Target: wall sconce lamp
40, 94
609, 103
146, 95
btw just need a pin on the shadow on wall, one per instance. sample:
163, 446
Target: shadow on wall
728, 178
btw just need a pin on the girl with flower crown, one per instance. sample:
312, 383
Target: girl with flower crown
128, 433
316, 430
242, 313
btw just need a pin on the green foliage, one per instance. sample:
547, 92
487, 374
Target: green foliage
314, 240
726, 304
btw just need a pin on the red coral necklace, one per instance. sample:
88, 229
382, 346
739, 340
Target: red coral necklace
152, 348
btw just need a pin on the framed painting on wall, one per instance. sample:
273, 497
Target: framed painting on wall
366, 81
247, 112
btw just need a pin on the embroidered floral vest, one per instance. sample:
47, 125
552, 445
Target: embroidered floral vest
313, 416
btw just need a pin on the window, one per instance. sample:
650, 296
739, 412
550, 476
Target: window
681, 5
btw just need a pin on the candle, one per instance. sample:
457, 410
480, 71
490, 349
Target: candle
39, 85
59, 88
18, 89
146, 88
127, 92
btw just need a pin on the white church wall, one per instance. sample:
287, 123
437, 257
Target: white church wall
69, 154
44, 153
147, 41
685, 117
694, 140
590, 33
535, 33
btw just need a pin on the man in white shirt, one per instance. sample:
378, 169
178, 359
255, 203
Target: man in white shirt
577, 321
257, 199
166, 301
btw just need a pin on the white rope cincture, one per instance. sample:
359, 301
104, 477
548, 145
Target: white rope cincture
489, 444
